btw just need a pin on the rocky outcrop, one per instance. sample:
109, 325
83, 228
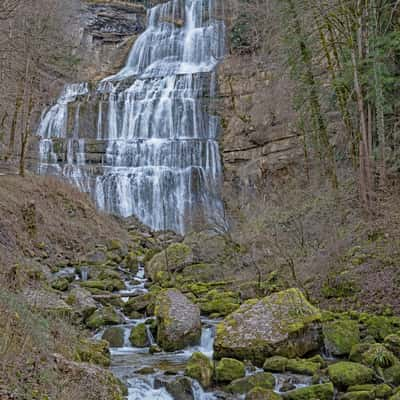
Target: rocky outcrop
178, 320
284, 323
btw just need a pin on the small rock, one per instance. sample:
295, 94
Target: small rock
138, 336
228, 370
114, 336
344, 374
201, 368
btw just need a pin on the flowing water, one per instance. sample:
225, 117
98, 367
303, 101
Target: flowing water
153, 126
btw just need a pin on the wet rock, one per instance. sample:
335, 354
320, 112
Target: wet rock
178, 320
179, 387
340, 336
302, 367
275, 364
138, 336
263, 380
155, 348
103, 316
259, 393
137, 304
284, 323
344, 374
66, 273
114, 336
228, 370
324, 391
201, 368
145, 371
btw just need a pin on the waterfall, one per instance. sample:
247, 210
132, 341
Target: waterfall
161, 161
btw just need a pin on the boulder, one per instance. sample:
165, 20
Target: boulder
93, 351
359, 395
103, 316
344, 374
392, 342
201, 368
284, 323
263, 380
259, 393
303, 367
378, 356
114, 336
137, 304
392, 375
82, 302
219, 304
178, 320
340, 336
323, 391
228, 369
138, 336
275, 364
61, 284
179, 387
177, 255
106, 285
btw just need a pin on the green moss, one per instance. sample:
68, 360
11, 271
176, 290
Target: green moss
228, 370
392, 375
345, 374
138, 336
95, 352
360, 395
321, 392
378, 356
103, 316
200, 367
303, 367
275, 364
60, 284
219, 303
340, 336
114, 336
259, 393
243, 385
108, 285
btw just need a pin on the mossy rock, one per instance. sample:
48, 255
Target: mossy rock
378, 356
201, 368
263, 380
323, 391
359, 395
383, 391
93, 351
340, 336
379, 327
178, 320
131, 262
107, 285
103, 316
177, 255
344, 374
219, 304
284, 323
303, 367
138, 336
228, 369
275, 364
392, 342
259, 393
114, 336
138, 304
357, 351
392, 375
61, 284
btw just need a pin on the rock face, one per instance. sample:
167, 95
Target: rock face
178, 320
284, 323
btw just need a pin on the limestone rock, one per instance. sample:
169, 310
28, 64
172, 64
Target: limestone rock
284, 323
178, 320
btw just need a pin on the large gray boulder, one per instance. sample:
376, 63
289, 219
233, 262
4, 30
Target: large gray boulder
284, 324
178, 320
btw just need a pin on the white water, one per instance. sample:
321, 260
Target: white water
162, 161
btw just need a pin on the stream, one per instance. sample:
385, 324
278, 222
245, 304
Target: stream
145, 373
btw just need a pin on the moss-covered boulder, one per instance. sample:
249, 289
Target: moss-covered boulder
138, 336
379, 327
138, 304
93, 351
284, 323
340, 336
275, 364
61, 284
357, 351
359, 395
303, 367
392, 342
262, 394
106, 285
178, 320
392, 375
228, 369
243, 385
219, 304
201, 368
103, 316
82, 302
378, 356
344, 374
169, 260
114, 336
323, 391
